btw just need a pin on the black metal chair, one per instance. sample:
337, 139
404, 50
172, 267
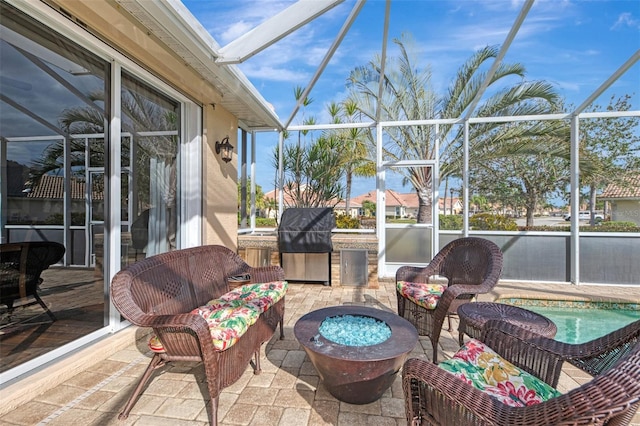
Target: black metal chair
21, 265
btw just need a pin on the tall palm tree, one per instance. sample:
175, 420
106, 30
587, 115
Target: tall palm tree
408, 95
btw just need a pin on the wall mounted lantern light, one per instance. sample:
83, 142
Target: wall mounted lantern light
225, 149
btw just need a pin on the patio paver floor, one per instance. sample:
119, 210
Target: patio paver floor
288, 392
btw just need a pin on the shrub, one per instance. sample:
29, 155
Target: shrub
265, 222
450, 222
347, 222
492, 222
617, 226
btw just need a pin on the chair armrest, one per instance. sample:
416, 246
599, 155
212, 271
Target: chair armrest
265, 274
454, 291
594, 357
192, 322
187, 320
418, 274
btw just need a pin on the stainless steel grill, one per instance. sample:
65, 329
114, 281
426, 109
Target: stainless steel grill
304, 243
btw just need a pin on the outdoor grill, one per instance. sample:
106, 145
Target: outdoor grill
304, 243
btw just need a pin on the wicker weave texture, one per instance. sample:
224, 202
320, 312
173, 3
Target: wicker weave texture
470, 265
435, 397
160, 291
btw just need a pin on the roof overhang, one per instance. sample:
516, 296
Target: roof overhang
172, 23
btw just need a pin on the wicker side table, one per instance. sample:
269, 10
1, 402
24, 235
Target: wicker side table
474, 315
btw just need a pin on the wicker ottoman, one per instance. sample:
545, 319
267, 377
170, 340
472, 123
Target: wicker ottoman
474, 315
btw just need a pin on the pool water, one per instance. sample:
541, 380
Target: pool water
577, 325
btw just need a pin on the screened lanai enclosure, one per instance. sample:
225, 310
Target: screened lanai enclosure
432, 153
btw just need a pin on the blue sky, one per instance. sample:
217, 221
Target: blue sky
575, 45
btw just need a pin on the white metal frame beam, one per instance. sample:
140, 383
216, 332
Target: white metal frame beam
274, 29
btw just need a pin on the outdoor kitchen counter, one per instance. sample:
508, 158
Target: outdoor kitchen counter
367, 241
267, 243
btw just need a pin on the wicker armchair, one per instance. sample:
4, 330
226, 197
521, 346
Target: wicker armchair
471, 266
161, 291
436, 397
21, 265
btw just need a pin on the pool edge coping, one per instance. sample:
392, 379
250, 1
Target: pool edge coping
579, 301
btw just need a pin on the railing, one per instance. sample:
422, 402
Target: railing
605, 258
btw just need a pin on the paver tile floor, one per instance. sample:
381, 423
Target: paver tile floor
288, 392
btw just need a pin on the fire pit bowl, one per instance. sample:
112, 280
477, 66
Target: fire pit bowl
356, 374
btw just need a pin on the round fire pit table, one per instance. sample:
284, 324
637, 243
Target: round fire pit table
356, 374
474, 315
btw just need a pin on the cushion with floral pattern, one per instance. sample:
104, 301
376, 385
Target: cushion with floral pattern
262, 296
425, 295
484, 369
231, 315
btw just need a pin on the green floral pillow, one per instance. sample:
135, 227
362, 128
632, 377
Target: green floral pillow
481, 367
425, 295
262, 296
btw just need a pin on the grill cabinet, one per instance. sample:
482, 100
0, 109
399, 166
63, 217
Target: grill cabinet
304, 243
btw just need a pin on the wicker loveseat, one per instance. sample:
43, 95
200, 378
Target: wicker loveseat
169, 293
434, 396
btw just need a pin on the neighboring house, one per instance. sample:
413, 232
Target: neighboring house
405, 205
397, 205
272, 199
355, 208
624, 200
42, 203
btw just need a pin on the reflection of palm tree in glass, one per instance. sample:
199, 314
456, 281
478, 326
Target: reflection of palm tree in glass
140, 114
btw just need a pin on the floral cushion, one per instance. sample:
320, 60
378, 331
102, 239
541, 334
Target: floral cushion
231, 315
425, 295
262, 296
481, 367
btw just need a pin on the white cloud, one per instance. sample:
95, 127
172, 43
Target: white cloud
235, 30
626, 20
265, 72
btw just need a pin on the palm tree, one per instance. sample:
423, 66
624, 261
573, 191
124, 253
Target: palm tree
139, 114
356, 160
408, 95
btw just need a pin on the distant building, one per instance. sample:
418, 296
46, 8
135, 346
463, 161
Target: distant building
624, 200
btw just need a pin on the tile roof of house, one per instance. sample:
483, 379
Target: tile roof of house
52, 187
393, 198
630, 189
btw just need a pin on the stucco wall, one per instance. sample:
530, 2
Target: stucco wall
626, 210
220, 204
122, 32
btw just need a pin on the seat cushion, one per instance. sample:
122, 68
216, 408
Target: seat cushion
483, 368
231, 315
425, 295
261, 296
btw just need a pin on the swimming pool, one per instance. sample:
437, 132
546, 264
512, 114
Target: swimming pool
582, 321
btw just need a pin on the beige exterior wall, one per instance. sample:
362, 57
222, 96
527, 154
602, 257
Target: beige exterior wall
114, 26
220, 201
626, 211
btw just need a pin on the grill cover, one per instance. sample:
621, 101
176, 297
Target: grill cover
306, 230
